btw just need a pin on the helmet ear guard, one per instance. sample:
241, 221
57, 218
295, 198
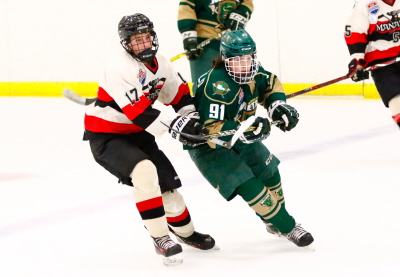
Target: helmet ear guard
131, 25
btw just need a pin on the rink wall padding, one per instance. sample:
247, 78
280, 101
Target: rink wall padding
47, 89
89, 89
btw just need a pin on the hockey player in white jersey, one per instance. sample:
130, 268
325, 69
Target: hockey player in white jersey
372, 34
121, 128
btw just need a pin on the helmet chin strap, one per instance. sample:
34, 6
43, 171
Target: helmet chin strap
146, 55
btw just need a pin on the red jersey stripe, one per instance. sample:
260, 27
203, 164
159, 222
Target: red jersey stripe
356, 38
149, 204
96, 124
103, 95
377, 55
178, 218
182, 90
132, 111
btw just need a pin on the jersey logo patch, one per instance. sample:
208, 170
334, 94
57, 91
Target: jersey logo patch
221, 88
241, 96
142, 76
373, 7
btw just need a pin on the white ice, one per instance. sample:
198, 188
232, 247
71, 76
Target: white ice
63, 215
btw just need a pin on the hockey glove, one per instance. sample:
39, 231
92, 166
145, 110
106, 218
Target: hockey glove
189, 125
279, 110
263, 128
357, 70
190, 45
236, 21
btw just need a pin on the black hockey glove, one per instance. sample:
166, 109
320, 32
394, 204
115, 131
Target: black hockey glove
190, 45
263, 128
189, 125
237, 21
357, 70
279, 110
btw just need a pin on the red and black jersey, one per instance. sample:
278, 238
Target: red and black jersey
373, 30
126, 94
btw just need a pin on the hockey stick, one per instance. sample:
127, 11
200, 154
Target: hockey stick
245, 126
73, 96
370, 68
200, 45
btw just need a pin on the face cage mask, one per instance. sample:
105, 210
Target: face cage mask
242, 69
147, 54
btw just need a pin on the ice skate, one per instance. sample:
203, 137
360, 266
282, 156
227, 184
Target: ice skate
171, 251
271, 229
300, 237
197, 240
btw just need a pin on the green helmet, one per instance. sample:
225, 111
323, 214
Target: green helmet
237, 43
238, 51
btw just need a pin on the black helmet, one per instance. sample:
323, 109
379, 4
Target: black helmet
131, 25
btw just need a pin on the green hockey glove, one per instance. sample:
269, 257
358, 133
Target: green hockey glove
279, 110
190, 45
237, 21
263, 128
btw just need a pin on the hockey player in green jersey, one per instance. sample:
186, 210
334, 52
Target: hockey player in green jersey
227, 95
199, 20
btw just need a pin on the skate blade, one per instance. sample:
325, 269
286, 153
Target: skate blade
310, 247
216, 247
173, 260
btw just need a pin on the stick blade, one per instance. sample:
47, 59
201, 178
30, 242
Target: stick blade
73, 96
243, 128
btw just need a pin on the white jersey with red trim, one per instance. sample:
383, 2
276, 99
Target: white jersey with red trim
127, 92
373, 30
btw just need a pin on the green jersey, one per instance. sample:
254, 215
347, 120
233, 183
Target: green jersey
204, 16
223, 103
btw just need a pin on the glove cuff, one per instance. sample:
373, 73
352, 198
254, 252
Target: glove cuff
273, 107
189, 34
239, 17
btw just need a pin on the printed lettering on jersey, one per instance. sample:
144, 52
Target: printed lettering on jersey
221, 88
252, 105
142, 76
394, 22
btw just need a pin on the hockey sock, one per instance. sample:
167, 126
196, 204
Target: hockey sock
147, 195
281, 220
394, 106
396, 119
178, 216
260, 198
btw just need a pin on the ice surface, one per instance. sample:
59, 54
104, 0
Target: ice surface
63, 215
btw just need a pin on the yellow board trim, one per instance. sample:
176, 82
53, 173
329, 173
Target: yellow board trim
89, 89
47, 89
367, 91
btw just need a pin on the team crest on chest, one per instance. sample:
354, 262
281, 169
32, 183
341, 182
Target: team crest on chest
221, 88
222, 8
